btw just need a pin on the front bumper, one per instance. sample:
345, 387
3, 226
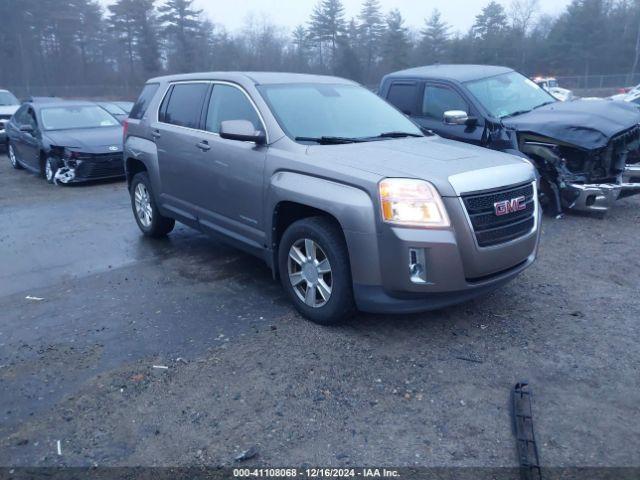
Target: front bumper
88, 170
427, 269
600, 197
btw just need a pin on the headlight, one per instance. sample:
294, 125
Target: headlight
406, 201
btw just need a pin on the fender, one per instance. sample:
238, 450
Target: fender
145, 151
350, 206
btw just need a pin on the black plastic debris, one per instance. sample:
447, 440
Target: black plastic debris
523, 429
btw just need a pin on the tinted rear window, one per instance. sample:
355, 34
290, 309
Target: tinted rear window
185, 104
140, 107
404, 96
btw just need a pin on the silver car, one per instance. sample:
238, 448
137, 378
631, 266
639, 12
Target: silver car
349, 203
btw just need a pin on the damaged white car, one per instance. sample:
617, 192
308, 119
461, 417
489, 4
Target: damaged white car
8, 106
551, 85
65, 141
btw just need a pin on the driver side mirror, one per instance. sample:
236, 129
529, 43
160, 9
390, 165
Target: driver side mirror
459, 117
241, 130
26, 128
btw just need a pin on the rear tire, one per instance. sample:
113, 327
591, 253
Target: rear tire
12, 156
145, 210
315, 271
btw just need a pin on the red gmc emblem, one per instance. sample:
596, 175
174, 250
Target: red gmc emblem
506, 207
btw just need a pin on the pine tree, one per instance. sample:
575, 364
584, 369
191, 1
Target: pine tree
326, 26
180, 22
300, 43
349, 63
371, 30
435, 40
122, 24
148, 46
395, 45
491, 34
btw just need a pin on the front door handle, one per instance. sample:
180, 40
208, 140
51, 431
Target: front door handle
156, 133
204, 146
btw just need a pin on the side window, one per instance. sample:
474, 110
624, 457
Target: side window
229, 103
140, 107
438, 100
30, 119
404, 96
185, 104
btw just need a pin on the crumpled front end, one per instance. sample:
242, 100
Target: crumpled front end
586, 179
74, 166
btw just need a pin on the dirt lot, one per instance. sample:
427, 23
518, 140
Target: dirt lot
245, 370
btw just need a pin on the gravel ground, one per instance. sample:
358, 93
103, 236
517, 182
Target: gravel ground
244, 370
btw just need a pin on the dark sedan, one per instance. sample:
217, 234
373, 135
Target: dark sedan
66, 141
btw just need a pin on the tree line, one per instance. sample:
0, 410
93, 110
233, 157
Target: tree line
49, 43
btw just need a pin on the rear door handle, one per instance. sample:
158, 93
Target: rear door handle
156, 133
204, 146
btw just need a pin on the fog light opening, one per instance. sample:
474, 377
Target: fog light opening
417, 267
590, 201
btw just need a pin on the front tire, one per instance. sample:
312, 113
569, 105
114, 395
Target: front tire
315, 270
12, 157
145, 210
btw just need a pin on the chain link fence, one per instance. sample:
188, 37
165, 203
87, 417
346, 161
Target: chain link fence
94, 92
598, 85
582, 85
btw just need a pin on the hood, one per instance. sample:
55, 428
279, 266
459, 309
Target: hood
8, 109
453, 167
88, 140
586, 124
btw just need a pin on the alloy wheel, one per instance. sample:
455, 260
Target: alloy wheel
310, 273
142, 202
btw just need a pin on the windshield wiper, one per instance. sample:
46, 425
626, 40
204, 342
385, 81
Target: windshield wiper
328, 140
517, 112
398, 135
545, 103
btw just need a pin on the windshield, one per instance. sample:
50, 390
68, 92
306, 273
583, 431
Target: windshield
508, 94
126, 106
323, 110
7, 98
112, 108
64, 118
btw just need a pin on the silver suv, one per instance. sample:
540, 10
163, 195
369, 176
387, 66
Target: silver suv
349, 203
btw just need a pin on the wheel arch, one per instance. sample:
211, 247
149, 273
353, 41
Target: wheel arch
293, 196
133, 166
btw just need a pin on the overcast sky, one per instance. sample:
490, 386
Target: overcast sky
460, 14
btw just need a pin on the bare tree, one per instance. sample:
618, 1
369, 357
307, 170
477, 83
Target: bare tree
523, 14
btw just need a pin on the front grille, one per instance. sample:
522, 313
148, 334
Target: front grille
100, 166
5, 117
491, 229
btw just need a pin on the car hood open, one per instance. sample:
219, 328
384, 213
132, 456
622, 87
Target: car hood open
453, 167
587, 124
88, 140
